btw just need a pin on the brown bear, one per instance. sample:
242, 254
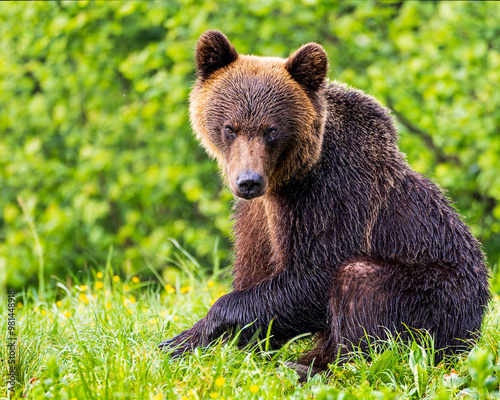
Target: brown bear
334, 233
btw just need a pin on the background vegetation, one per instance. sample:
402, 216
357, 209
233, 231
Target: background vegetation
96, 148
98, 169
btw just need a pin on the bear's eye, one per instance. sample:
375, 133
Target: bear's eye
271, 134
229, 131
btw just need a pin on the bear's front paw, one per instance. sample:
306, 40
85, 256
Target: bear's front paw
181, 344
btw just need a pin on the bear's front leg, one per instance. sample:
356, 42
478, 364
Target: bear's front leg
295, 301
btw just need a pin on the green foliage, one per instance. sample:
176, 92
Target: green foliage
481, 371
418, 366
95, 136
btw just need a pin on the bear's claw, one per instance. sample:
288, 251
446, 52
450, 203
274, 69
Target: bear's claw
176, 346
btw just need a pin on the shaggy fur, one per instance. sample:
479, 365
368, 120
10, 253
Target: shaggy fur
345, 239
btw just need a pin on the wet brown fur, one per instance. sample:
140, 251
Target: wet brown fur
346, 239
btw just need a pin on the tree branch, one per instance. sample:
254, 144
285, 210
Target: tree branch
441, 157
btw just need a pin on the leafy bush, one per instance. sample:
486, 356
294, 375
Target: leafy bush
95, 138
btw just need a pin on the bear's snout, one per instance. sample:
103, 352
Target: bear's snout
250, 184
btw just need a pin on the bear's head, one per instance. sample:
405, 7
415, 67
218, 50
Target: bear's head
262, 118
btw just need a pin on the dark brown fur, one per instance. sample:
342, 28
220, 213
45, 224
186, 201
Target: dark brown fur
345, 239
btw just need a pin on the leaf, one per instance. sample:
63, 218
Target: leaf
421, 378
383, 363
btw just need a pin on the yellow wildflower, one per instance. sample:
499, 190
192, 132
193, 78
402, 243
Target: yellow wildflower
116, 278
126, 287
83, 297
99, 285
130, 310
132, 299
213, 395
83, 288
99, 275
211, 283
220, 381
176, 318
185, 289
19, 305
67, 314
184, 398
158, 396
107, 317
59, 303
254, 389
43, 312
135, 279
169, 288
108, 305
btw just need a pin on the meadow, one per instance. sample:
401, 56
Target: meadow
98, 338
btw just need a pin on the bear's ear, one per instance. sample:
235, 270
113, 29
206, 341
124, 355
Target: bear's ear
213, 51
308, 66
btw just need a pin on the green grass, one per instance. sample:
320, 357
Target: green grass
99, 340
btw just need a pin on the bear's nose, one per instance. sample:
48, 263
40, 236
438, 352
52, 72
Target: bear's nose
250, 184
